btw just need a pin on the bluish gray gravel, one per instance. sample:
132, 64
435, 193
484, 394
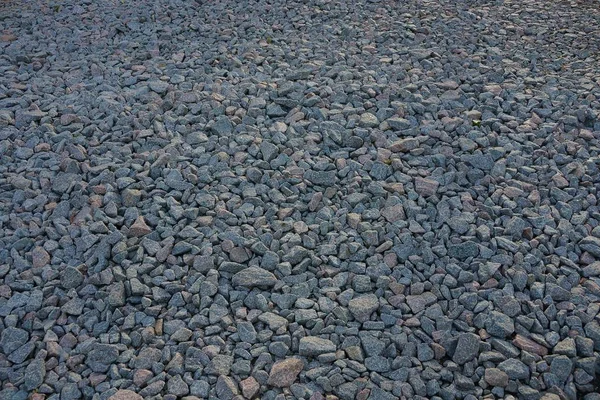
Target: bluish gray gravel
318, 199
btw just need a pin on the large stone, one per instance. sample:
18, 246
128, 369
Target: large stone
254, 277
591, 270
222, 126
313, 346
369, 120
39, 257
284, 372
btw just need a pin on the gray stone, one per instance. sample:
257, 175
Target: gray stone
13, 338
313, 346
467, 348
34, 374
177, 386
254, 277
500, 325
321, 178
363, 306
515, 369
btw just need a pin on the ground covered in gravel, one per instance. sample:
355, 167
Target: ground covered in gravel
299, 200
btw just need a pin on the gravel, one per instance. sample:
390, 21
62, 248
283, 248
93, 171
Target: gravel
310, 200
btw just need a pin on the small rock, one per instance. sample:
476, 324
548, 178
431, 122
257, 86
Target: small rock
467, 348
226, 388
362, 307
426, 187
284, 372
313, 346
139, 228
496, 377
125, 395
254, 277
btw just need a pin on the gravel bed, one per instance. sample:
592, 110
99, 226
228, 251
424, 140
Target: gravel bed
318, 199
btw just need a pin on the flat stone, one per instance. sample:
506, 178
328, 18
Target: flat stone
222, 126
404, 145
591, 244
464, 250
591, 270
159, 87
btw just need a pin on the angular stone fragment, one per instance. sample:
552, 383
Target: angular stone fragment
12, 338
250, 387
284, 372
254, 277
321, 178
463, 250
369, 120
40, 257
426, 187
125, 395
313, 346
529, 345
467, 348
515, 369
363, 306
226, 388
591, 270
34, 374
419, 302
139, 228
496, 377
500, 325
404, 145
